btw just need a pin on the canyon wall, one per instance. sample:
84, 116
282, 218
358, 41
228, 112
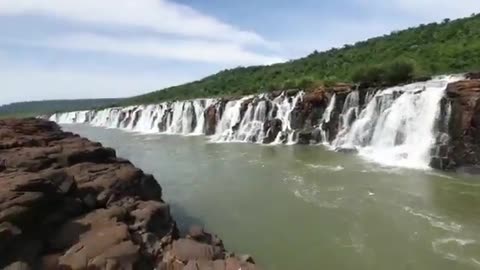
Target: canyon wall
69, 203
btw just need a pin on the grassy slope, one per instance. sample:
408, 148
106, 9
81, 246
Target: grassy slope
447, 47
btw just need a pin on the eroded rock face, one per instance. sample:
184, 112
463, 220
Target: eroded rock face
211, 120
68, 203
309, 111
271, 129
458, 147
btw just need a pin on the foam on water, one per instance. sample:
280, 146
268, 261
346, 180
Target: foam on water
436, 221
456, 249
326, 167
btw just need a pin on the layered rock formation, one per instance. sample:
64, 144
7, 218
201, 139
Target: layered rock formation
458, 143
69, 203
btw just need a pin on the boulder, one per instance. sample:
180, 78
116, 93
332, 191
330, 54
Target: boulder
198, 234
189, 249
346, 150
304, 137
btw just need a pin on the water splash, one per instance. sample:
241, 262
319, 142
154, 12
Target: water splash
241, 120
396, 128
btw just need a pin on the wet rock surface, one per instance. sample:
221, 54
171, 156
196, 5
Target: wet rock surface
458, 147
69, 203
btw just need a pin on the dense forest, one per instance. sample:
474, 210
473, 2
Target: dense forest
34, 108
436, 48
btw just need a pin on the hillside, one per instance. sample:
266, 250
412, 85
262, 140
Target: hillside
33, 108
436, 48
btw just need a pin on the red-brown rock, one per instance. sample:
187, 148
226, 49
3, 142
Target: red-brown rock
69, 203
463, 150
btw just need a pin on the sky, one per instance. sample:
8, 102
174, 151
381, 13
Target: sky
66, 49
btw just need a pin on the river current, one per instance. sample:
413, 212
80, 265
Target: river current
306, 207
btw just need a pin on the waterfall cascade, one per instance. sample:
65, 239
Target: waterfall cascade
394, 126
241, 120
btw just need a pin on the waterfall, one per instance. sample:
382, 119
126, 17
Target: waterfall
71, 117
327, 115
181, 117
244, 120
225, 130
285, 106
147, 119
200, 106
240, 120
349, 114
396, 127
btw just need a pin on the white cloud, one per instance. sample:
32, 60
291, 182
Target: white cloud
21, 84
172, 49
168, 31
161, 16
173, 31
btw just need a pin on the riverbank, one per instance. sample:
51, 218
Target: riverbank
67, 202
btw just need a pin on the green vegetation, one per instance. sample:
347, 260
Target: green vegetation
34, 108
386, 74
436, 48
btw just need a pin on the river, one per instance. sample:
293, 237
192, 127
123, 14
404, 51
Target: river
305, 207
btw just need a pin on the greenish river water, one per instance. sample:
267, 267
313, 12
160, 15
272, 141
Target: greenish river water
304, 207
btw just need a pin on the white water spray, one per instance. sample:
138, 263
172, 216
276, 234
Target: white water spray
397, 126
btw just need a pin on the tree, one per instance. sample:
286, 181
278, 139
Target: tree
399, 71
305, 83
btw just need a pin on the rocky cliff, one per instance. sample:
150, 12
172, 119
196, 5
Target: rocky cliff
69, 203
458, 143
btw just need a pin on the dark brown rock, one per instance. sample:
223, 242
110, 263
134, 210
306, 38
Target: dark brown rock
187, 249
304, 137
271, 129
463, 127
69, 203
473, 75
211, 119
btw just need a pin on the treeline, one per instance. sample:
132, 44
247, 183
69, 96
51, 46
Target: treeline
436, 48
35, 108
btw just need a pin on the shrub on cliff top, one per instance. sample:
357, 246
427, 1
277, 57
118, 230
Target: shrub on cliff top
398, 71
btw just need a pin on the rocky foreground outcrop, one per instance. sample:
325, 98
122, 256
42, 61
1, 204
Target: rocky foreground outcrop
69, 203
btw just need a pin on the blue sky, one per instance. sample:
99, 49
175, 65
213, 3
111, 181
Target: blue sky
57, 49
